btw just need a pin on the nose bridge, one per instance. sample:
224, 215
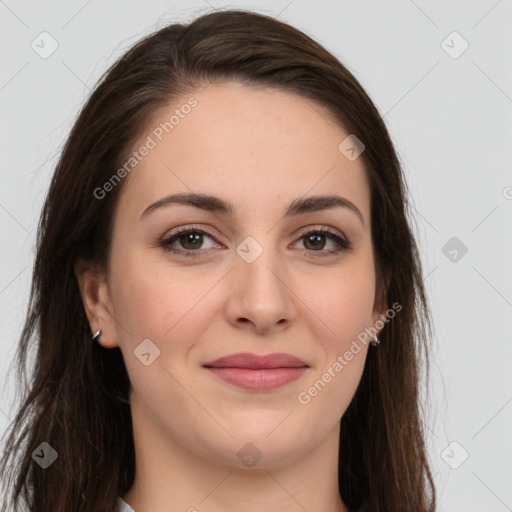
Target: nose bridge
260, 265
260, 293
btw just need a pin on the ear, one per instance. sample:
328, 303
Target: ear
97, 304
380, 306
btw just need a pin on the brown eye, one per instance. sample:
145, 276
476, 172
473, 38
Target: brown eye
189, 242
315, 241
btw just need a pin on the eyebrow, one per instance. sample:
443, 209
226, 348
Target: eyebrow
217, 205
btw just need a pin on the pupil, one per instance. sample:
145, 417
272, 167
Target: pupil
191, 238
315, 240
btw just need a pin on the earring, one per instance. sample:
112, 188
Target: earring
96, 336
374, 341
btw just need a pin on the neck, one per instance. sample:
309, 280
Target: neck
170, 477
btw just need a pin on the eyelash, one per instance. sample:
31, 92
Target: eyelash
341, 243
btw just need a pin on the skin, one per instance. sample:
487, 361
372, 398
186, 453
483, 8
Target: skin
260, 149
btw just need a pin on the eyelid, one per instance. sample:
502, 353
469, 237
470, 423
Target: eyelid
322, 227
302, 232
188, 228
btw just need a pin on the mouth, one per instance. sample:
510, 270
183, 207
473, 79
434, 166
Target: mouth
258, 373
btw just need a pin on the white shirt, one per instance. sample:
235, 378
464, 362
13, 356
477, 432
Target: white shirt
122, 506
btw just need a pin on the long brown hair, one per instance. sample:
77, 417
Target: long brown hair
76, 398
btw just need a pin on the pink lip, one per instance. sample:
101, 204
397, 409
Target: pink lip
250, 371
258, 380
256, 362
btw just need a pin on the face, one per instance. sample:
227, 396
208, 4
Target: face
257, 270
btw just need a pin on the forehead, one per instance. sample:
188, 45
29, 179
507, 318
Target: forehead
256, 147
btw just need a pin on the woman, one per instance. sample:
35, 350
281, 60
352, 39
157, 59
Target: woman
227, 222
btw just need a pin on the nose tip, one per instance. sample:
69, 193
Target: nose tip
259, 298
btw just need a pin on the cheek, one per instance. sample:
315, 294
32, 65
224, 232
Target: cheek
170, 310
344, 305
147, 301
326, 397
345, 309
140, 301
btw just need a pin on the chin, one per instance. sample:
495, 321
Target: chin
258, 447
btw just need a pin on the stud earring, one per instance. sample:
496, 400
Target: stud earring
97, 335
374, 341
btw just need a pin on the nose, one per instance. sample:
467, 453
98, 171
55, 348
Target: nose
260, 298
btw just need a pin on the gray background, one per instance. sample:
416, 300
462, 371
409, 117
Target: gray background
449, 114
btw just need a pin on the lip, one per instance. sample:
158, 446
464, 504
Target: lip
258, 373
257, 362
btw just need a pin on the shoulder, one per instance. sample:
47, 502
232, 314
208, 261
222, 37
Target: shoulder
122, 506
